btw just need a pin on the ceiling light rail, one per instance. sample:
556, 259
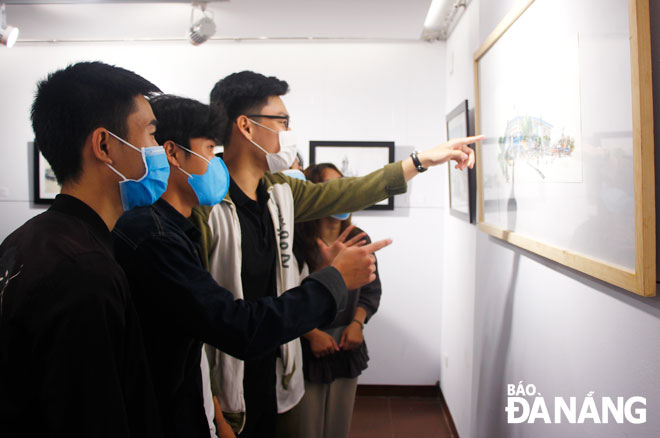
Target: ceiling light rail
223, 39
442, 18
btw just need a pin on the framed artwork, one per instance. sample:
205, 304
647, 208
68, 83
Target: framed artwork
355, 158
462, 183
566, 169
45, 183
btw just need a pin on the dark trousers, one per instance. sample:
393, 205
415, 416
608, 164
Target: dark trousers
260, 397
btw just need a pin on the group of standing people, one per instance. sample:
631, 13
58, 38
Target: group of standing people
164, 292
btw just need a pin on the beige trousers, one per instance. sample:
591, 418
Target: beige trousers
325, 410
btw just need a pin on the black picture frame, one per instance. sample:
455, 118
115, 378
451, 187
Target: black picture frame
466, 210
44, 183
371, 155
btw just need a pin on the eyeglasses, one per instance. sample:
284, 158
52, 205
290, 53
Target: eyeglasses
268, 116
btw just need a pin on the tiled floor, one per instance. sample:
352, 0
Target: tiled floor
399, 417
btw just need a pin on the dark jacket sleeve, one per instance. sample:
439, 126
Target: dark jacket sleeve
369, 298
167, 274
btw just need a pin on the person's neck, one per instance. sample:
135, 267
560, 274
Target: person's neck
179, 194
108, 207
178, 201
330, 230
243, 170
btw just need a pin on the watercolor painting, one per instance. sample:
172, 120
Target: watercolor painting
545, 153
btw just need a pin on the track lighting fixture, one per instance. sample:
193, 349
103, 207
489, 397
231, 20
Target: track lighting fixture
202, 29
8, 34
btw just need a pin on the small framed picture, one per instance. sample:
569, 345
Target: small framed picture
355, 158
462, 183
45, 183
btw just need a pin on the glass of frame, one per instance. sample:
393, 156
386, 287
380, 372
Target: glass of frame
355, 158
567, 167
462, 183
45, 183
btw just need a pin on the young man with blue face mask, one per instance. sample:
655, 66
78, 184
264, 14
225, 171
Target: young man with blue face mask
263, 202
179, 303
72, 360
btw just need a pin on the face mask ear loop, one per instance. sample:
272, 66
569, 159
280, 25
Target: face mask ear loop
189, 175
130, 146
194, 153
116, 171
125, 142
262, 149
263, 126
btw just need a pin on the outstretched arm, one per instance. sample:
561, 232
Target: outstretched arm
454, 150
345, 195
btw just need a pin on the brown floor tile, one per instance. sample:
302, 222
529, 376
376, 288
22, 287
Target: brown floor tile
371, 418
418, 418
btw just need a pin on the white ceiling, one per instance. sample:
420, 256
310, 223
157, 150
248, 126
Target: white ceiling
387, 19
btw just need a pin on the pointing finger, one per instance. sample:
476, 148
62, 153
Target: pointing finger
376, 246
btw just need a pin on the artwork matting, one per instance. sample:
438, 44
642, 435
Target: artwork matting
603, 200
355, 158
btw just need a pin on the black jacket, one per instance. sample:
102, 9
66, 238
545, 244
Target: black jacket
180, 306
72, 360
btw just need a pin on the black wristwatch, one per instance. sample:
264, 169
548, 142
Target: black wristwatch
417, 163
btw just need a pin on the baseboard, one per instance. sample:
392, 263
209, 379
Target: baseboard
430, 391
399, 391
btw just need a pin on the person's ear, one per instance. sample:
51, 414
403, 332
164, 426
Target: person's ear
244, 127
171, 149
99, 139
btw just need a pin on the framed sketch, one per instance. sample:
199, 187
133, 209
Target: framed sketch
45, 183
462, 183
355, 158
566, 169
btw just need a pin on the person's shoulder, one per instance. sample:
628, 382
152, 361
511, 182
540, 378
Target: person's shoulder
280, 179
136, 217
72, 279
56, 257
51, 235
201, 213
137, 224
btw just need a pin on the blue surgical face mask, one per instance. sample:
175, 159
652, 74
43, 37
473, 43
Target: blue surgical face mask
295, 173
152, 185
341, 217
210, 187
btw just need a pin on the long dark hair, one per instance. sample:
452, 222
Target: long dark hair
310, 231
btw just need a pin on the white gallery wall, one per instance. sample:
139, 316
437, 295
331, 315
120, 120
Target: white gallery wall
457, 304
392, 91
510, 316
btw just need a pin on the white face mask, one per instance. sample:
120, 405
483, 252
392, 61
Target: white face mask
287, 154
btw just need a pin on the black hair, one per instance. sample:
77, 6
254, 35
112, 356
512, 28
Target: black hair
311, 230
72, 102
244, 92
180, 119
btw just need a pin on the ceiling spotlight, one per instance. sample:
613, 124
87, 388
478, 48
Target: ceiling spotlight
8, 34
202, 29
